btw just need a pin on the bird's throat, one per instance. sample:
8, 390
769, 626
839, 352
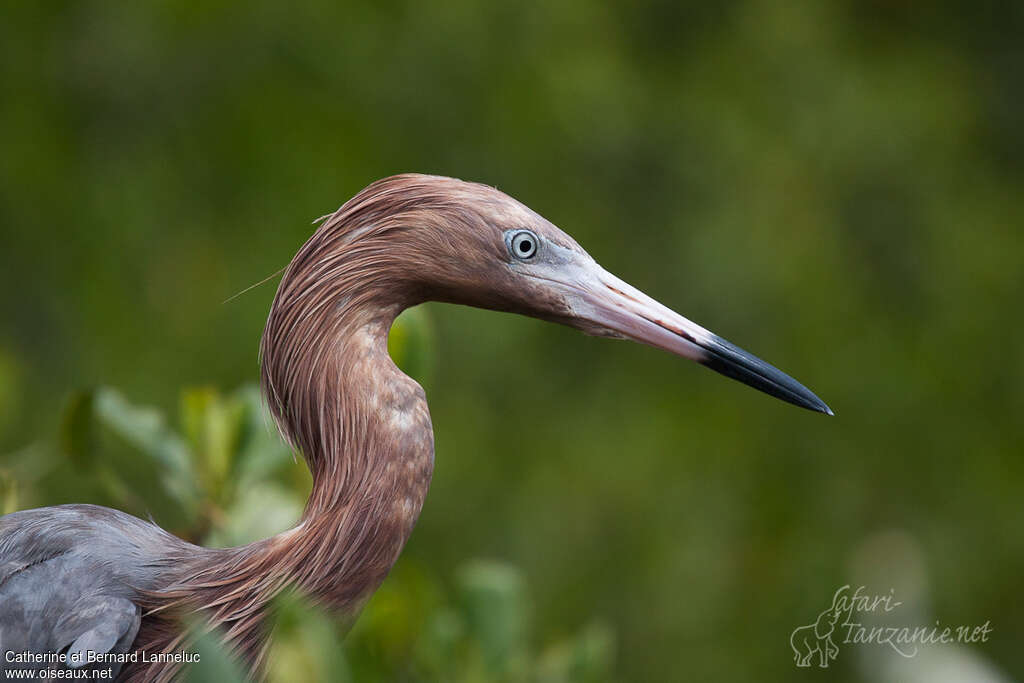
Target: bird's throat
369, 445
371, 463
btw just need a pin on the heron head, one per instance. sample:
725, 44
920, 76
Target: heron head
471, 244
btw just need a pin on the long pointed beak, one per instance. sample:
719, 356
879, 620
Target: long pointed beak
607, 305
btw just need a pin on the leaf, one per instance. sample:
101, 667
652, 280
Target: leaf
586, 658
494, 598
145, 429
76, 432
8, 493
261, 451
216, 664
212, 426
437, 650
258, 512
411, 344
11, 394
305, 643
396, 615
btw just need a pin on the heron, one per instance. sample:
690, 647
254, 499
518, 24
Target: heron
78, 579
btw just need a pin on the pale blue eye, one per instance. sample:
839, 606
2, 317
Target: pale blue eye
523, 244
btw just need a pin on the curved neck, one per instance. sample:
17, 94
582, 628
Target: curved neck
364, 429
370, 448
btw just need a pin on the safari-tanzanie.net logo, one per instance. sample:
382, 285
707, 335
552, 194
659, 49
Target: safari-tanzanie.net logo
853, 619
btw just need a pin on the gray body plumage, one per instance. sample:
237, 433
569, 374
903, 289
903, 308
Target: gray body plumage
70, 578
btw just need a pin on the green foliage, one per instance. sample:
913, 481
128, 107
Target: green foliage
412, 346
208, 476
223, 473
215, 665
476, 628
305, 644
8, 493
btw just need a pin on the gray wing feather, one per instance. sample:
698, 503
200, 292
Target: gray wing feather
105, 625
69, 575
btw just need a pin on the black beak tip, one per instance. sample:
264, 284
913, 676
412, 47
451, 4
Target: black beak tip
821, 407
798, 395
733, 362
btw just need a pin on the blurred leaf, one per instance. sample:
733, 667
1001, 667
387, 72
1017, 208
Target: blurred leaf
409, 631
397, 613
258, 511
146, 430
212, 426
494, 598
438, 648
411, 344
8, 492
305, 643
586, 658
216, 664
10, 391
77, 433
262, 451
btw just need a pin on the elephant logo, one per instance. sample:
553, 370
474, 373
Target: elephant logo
816, 638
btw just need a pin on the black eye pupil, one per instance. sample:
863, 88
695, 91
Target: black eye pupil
524, 246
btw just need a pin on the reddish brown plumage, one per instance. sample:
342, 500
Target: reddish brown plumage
362, 426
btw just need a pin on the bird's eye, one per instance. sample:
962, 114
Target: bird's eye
523, 244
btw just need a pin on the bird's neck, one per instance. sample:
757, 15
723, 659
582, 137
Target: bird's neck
360, 423
364, 429
371, 469
369, 445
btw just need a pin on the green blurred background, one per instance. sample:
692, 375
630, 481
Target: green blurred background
836, 186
